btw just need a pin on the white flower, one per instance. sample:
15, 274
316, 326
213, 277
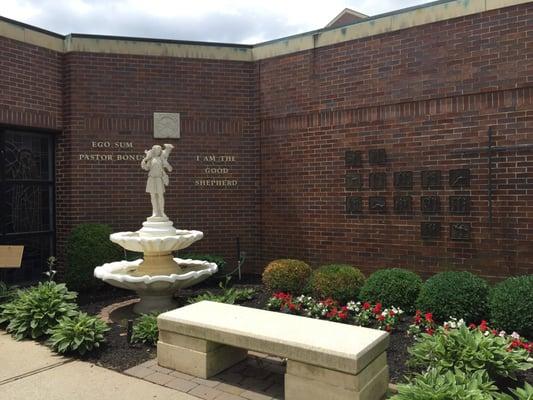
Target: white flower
502, 334
515, 335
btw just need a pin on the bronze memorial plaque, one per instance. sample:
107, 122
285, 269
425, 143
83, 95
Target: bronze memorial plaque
353, 158
460, 205
460, 231
430, 204
430, 230
354, 205
377, 156
403, 204
377, 180
377, 204
459, 178
403, 180
354, 181
431, 180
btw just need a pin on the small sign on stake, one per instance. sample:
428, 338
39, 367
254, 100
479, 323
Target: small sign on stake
11, 256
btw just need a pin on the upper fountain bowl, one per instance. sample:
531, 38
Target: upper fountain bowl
135, 241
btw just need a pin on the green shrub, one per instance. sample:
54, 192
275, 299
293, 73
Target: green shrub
454, 294
229, 295
436, 384
524, 394
218, 260
511, 305
7, 293
469, 351
38, 309
78, 334
340, 282
392, 287
286, 275
145, 330
88, 246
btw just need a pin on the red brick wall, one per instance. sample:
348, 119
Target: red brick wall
112, 98
426, 95
30, 85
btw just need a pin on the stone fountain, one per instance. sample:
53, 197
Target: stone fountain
158, 275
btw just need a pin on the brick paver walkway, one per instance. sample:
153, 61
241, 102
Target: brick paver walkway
259, 377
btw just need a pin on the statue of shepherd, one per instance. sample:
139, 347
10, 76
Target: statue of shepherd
156, 162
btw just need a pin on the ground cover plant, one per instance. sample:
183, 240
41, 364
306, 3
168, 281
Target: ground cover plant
437, 384
228, 295
286, 275
79, 333
392, 286
357, 313
340, 282
145, 330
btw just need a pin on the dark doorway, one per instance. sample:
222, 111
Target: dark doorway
27, 188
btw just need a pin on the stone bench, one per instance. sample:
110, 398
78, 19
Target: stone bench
325, 360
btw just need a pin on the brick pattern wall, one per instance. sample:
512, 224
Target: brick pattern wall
111, 98
427, 95
30, 85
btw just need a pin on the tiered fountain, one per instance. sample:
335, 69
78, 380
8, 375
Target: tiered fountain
158, 275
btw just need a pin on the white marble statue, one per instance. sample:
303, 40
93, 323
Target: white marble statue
156, 162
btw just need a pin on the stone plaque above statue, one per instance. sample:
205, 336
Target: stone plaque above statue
166, 125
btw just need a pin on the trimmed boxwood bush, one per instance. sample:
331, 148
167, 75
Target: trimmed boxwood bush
454, 294
340, 282
286, 275
392, 287
88, 246
511, 305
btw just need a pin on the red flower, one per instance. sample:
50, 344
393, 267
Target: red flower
430, 331
366, 305
483, 326
380, 317
392, 313
377, 308
472, 326
429, 317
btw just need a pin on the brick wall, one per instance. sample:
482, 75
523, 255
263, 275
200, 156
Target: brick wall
30, 85
111, 98
427, 95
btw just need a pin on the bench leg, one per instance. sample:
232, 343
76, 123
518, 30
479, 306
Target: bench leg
194, 356
304, 382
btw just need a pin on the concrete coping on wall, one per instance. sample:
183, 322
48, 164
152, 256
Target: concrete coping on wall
376, 25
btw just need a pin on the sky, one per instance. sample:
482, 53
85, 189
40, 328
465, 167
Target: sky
230, 21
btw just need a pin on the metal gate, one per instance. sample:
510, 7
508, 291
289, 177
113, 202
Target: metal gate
27, 199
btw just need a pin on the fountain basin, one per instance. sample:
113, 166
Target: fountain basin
134, 241
155, 291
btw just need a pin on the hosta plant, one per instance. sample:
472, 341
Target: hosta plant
525, 393
468, 350
38, 309
437, 384
80, 334
145, 330
228, 295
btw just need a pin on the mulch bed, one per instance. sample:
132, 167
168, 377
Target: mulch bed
117, 354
